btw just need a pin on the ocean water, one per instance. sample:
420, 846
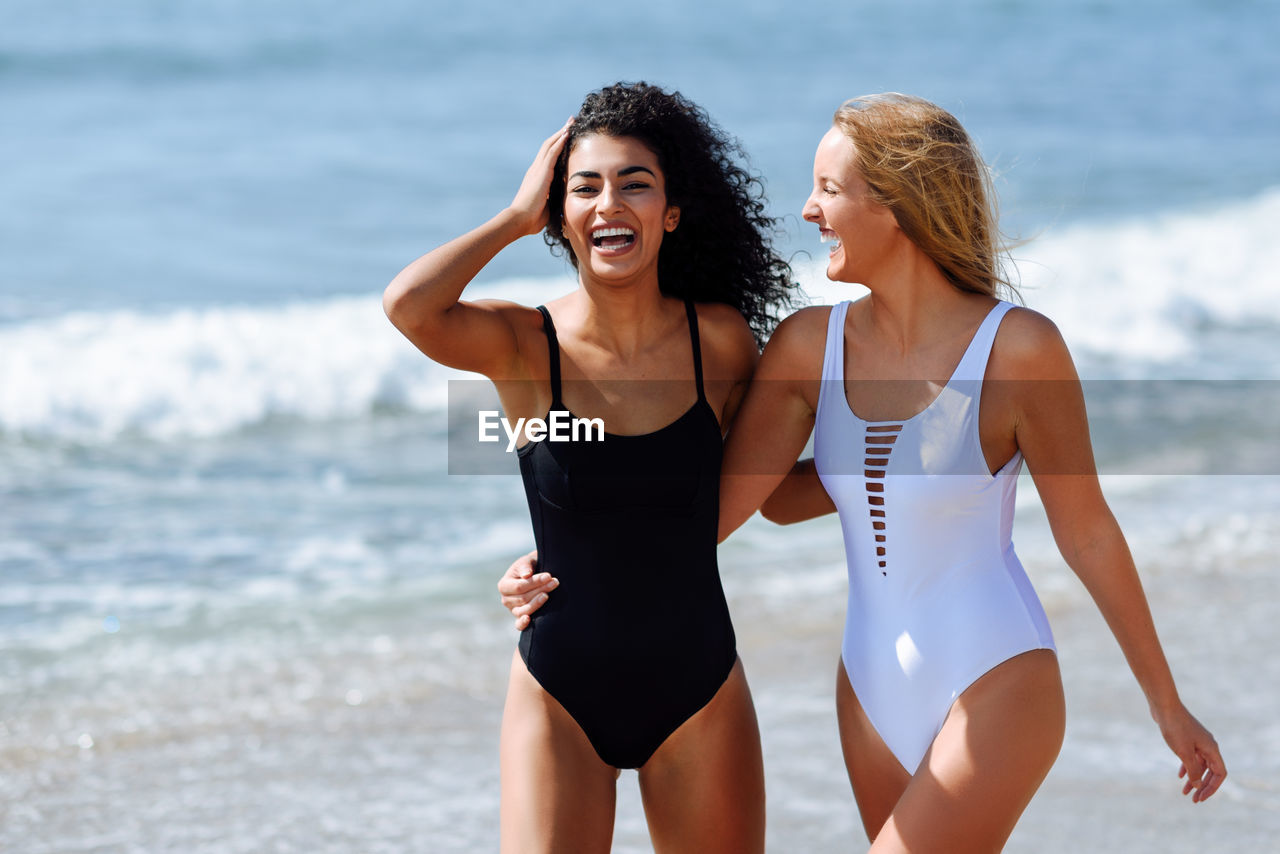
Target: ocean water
243, 606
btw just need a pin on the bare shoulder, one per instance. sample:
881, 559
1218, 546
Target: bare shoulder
800, 340
1029, 345
728, 347
530, 340
806, 321
514, 313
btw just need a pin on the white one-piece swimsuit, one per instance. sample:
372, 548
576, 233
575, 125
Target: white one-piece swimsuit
937, 596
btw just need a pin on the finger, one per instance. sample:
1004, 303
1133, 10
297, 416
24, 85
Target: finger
513, 602
523, 589
535, 589
1203, 779
1193, 769
522, 623
511, 579
512, 586
513, 583
551, 140
529, 607
1215, 780
1203, 790
540, 583
1215, 763
555, 141
1214, 776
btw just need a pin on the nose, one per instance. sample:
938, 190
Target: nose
810, 212
610, 199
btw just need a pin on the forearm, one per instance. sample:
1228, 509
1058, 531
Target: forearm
740, 496
1104, 564
799, 497
423, 293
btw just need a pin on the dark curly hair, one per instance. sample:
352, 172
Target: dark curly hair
721, 250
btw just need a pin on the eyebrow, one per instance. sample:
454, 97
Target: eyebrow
622, 173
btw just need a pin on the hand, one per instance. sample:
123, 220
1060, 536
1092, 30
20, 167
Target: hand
530, 203
523, 591
1202, 764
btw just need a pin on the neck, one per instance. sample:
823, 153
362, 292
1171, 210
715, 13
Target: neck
911, 301
622, 320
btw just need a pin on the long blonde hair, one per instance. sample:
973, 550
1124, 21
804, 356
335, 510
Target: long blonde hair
920, 163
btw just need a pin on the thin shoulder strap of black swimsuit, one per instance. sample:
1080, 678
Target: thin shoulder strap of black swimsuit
697, 346
553, 348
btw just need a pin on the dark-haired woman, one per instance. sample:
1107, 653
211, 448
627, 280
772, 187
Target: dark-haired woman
675, 274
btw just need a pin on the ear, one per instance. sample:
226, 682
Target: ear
673, 218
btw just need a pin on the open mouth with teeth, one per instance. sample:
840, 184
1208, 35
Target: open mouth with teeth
826, 235
617, 237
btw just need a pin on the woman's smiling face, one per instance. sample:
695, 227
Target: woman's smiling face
841, 205
615, 207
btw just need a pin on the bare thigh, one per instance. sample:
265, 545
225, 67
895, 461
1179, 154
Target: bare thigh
998, 742
877, 777
703, 789
557, 794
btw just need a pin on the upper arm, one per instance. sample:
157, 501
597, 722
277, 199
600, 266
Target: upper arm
775, 418
481, 336
729, 357
1051, 427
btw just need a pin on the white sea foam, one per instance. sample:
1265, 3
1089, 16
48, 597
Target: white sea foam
1148, 289
1145, 292
97, 376
93, 377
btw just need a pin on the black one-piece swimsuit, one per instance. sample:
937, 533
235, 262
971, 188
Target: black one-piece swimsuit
613, 520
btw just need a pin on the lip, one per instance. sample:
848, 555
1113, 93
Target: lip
826, 235
609, 230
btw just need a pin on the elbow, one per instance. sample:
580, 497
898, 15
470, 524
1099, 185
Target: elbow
410, 319
777, 511
393, 303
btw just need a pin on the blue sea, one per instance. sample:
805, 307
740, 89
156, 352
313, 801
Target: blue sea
245, 608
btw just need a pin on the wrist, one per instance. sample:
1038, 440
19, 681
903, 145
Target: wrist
1165, 706
516, 223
